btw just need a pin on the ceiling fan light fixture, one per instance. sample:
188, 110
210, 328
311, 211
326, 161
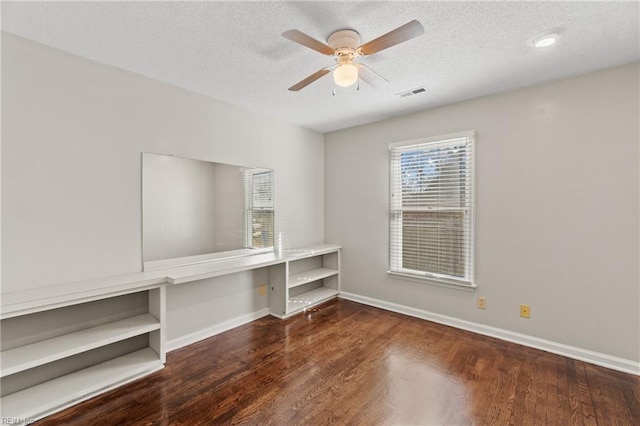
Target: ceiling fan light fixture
345, 75
344, 46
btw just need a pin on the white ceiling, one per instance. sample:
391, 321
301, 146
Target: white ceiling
233, 51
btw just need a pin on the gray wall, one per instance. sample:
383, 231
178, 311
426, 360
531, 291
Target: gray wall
72, 134
557, 210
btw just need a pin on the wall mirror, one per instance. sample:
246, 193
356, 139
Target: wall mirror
196, 211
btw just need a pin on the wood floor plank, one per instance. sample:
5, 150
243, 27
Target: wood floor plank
349, 364
615, 396
580, 404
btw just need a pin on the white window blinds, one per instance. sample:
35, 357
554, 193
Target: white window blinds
431, 214
259, 208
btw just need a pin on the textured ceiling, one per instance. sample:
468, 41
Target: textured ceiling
233, 51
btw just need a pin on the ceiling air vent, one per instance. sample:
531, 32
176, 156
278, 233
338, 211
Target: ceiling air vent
411, 92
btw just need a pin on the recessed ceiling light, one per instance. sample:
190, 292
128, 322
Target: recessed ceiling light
546, 40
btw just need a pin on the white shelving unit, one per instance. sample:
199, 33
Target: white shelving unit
310, 298
308, 276
305, 280
54, 395
67, 343
55, 357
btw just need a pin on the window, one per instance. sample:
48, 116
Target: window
259, 208
431, 209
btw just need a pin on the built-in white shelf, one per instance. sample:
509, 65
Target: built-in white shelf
29, 356
305, 277
79, 336
309, 298
200, 271
50, 396
61, 355
17, 303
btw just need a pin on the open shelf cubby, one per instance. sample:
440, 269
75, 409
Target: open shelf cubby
304, 282
54, 358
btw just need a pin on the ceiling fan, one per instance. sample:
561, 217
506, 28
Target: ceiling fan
345, 47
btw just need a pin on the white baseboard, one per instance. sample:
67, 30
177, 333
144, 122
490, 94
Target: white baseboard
603, 360
194, 337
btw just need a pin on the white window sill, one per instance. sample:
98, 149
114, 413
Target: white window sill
433, 281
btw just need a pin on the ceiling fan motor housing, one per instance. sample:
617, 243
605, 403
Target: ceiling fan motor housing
344, 42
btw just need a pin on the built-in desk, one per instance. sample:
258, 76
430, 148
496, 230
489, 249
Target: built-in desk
58, 353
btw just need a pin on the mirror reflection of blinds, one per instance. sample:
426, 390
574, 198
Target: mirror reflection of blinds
431, 214
262, 190
259, 208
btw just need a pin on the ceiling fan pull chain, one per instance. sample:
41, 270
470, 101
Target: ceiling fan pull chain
334, 91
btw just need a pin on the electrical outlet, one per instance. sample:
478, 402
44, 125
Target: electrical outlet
262, 290
482, 302
525, 311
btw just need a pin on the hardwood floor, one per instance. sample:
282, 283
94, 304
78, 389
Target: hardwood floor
346, 363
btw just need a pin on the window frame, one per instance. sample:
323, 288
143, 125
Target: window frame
395, 226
